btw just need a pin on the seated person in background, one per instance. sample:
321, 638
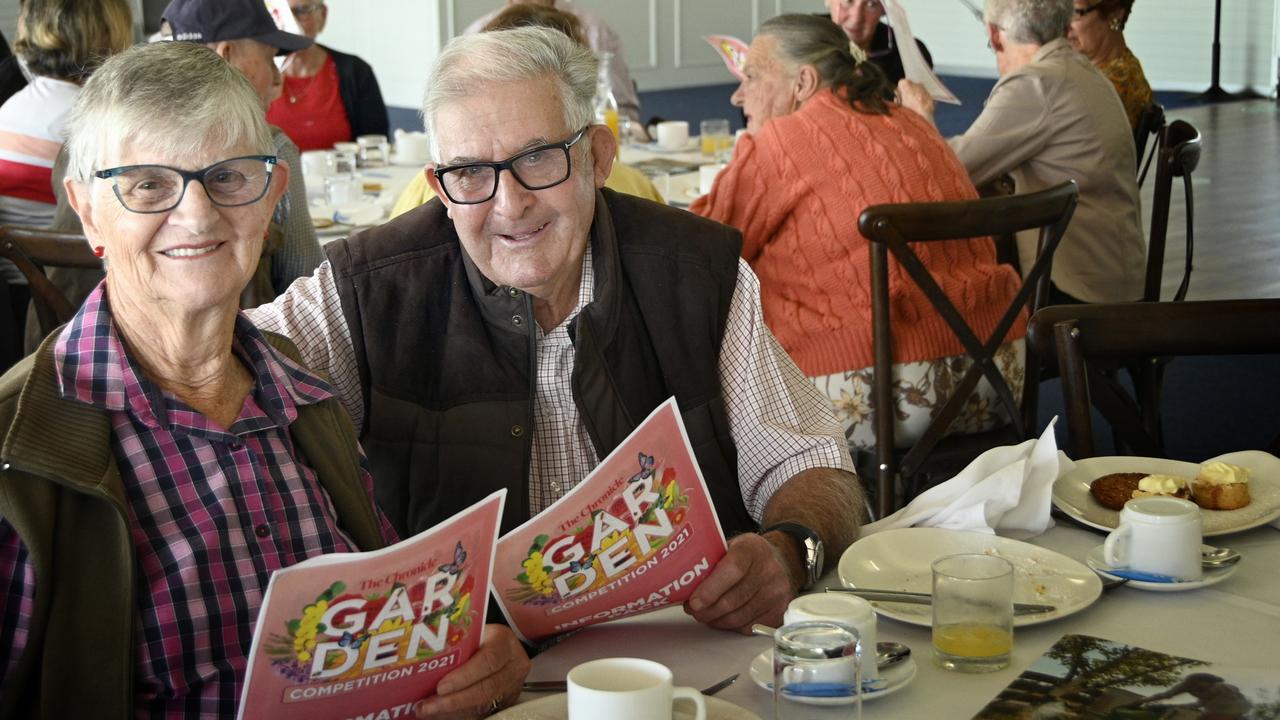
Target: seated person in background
600, 38
860, 20
1097, 30
328, 96
823, 144
1053, 117
623, 178
432, 326
242, 33
62, 42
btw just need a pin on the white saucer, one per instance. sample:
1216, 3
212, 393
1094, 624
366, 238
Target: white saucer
407, 162
892, 679
1208, 577
555, 707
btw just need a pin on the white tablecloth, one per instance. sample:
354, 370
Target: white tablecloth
1236, 621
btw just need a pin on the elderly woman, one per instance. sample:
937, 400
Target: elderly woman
1097, 30
328, 96
823, 144
166, 456
1053, 117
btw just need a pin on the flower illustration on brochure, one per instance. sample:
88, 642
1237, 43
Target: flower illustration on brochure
343, 635
560, 567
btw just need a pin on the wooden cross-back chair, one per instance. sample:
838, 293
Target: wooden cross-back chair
34, 249
1150, 124
1089, 341
1178, 155
893, 229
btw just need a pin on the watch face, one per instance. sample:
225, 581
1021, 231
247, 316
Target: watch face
818, 562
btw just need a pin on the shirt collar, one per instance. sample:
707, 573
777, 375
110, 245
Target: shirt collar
94, 367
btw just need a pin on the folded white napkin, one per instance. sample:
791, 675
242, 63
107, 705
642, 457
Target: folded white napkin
1008, 489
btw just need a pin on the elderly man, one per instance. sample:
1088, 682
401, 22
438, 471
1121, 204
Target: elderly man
600, 38
1053, 117
513, 332
861, 21
243, 34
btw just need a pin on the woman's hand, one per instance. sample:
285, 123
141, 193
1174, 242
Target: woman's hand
490, 680
913, 96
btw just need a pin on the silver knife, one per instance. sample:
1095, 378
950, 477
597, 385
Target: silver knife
918, 598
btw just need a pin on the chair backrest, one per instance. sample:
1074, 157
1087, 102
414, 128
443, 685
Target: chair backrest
1179, 154
34, 249
1150, 122
892, 228
1088, 340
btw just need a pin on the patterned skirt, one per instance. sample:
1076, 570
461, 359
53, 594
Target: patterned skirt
920, 389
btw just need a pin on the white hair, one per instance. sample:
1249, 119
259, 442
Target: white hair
1031, 22
175, 98
518, 55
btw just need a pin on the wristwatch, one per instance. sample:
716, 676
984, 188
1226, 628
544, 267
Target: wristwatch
810, 546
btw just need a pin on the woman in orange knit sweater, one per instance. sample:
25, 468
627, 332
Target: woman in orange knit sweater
823, 144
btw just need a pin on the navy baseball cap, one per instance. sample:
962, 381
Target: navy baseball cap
211, 21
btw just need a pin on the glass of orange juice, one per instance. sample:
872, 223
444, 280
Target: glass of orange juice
716, 140
972, 612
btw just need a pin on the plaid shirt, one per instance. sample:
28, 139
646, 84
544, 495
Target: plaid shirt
213, 513
779, 422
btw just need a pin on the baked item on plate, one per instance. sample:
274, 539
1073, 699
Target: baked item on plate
1221, 486
1114, 490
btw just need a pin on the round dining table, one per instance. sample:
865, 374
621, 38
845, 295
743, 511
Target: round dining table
1234, 622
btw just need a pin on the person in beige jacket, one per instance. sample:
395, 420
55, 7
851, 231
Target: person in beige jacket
1053, 117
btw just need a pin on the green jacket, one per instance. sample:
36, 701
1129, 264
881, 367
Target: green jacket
61, 491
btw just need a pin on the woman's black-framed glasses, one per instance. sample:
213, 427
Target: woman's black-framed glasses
536, 169
159, 188
1082, 11
301, 11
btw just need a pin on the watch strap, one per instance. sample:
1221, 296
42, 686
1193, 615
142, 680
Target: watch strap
809, 541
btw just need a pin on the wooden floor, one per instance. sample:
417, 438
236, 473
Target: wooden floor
1237, 204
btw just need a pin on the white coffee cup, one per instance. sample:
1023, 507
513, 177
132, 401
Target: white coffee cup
626, 689
412, 147
673, 134
845, 609
707, 177
317, 163
1159, 535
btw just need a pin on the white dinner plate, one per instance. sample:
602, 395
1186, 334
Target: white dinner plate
1071, 491
555, 707
407, 162
900, 560
691, 145
892, 679
1209, 576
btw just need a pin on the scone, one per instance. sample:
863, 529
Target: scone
1114, 490
1221, 486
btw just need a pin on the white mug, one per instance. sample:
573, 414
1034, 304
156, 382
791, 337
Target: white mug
626, 689
1158, 535
707, 177
845, 609
673, 134
412, 147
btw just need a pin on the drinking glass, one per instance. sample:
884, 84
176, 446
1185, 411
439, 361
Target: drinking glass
375, 151
972, 612
815, 663
716, 139
344, 158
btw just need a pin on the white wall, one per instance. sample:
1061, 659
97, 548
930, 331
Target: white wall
662, 39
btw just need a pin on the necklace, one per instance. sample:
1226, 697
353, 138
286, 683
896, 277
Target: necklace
294, 97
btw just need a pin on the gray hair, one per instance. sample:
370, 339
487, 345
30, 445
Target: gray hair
816, 41
512, 56
1031, 22
176, 98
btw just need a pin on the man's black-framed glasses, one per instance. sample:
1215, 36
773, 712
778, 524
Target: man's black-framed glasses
159, 188
1082, 11
537, 168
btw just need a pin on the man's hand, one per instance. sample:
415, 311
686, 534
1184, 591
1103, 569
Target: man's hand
749, 585
913, 96
495, 672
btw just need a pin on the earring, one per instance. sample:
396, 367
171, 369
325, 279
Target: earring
1115, 25
99, 251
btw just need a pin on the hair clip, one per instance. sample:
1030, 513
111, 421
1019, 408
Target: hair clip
859, 55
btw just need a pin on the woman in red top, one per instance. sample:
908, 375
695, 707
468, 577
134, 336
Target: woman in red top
822, 145
328, 96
